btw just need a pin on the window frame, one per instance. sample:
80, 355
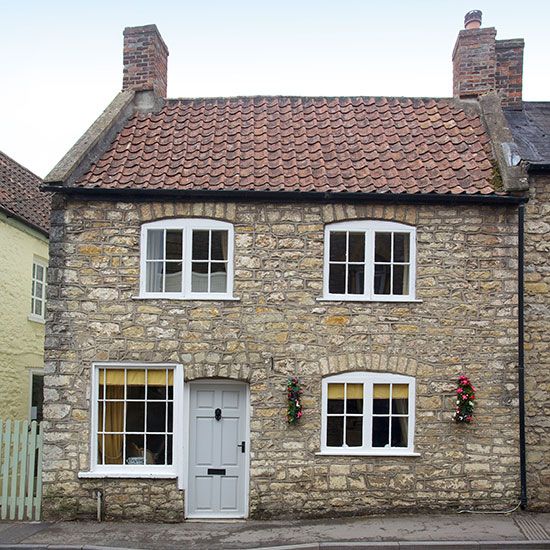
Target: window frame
36, 261
187, 225
32, 374
370, 228
368, 379
162, 471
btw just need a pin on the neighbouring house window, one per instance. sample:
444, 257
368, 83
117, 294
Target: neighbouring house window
38, 292
369, 260
187, 258
134, 417
37, 395
368, 413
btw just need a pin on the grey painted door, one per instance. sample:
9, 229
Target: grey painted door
218, 449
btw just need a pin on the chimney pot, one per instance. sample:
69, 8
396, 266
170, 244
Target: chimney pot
472, 20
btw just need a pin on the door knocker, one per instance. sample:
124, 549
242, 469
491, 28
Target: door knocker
218, 414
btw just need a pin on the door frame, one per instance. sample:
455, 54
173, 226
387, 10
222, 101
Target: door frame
186, 437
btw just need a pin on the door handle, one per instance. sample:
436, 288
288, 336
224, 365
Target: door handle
242, 446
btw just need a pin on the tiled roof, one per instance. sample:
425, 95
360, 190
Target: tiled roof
20, 194
530, 128
298, 144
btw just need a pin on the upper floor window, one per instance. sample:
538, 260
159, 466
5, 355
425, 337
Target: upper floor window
187, 258
38, 290
368, 413
369, 260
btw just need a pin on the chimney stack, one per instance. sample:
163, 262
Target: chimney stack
145, 60
482, 64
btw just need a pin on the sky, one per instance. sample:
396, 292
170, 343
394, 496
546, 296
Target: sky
61, 61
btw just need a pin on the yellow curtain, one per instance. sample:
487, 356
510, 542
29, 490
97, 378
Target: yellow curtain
399, 391
136, 377
114, 422
354, 391
380, 391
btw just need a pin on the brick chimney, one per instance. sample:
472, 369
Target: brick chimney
145, 60
482, 64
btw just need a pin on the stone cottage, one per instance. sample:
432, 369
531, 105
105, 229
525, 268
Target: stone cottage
204, 251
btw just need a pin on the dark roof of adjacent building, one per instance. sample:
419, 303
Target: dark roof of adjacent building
300, 144
530, 128
20, 194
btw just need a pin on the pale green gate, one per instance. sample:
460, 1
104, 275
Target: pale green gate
20, 470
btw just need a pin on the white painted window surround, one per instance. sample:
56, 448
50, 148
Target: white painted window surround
175, 264
38, 290
133, 468
357, 409
355, 269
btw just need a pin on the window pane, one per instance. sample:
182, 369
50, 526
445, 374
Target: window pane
382, 247
399, 431
135, 416
219, 245
335, 403
155, 244
173, 277
113, 448
356, 279
338, 246
199, 277
200, 245
38, 290
356, 247
218, 277
380, 431
169, 449
156, 392
337, 279
174, 244
135, 449
100, 448
38, 307
381, 399
100, 417
354, 399
401, 247
382, 275
153, 277
39, 272
400, 279
354, 431
156, 416
335, 431
400, 399
155, 449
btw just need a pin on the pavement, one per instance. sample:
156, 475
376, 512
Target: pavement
412, 532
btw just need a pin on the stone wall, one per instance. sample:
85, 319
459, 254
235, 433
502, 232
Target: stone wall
537, 342
465, 323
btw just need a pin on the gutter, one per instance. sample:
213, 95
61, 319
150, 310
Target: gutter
539, 167
521, 357
284, 196
11, 215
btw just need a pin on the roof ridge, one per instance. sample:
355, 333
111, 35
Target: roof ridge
281, 96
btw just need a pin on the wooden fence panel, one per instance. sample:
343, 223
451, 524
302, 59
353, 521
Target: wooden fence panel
20, 470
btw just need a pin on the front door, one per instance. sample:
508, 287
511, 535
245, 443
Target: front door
218, 450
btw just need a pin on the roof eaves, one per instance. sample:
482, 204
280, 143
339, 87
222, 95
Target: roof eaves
11, 214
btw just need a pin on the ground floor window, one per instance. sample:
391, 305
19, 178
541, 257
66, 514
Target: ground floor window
134, 420
367, 412
37, 395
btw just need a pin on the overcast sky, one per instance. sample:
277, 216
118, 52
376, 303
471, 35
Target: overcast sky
62, 61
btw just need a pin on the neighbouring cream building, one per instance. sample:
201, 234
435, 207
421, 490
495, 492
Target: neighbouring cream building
24, 226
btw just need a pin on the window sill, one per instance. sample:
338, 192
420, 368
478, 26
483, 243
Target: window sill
126, 475
189, 299
366, 453
369, 300
36, 319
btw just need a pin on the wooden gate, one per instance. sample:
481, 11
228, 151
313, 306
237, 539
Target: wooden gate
20, 470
